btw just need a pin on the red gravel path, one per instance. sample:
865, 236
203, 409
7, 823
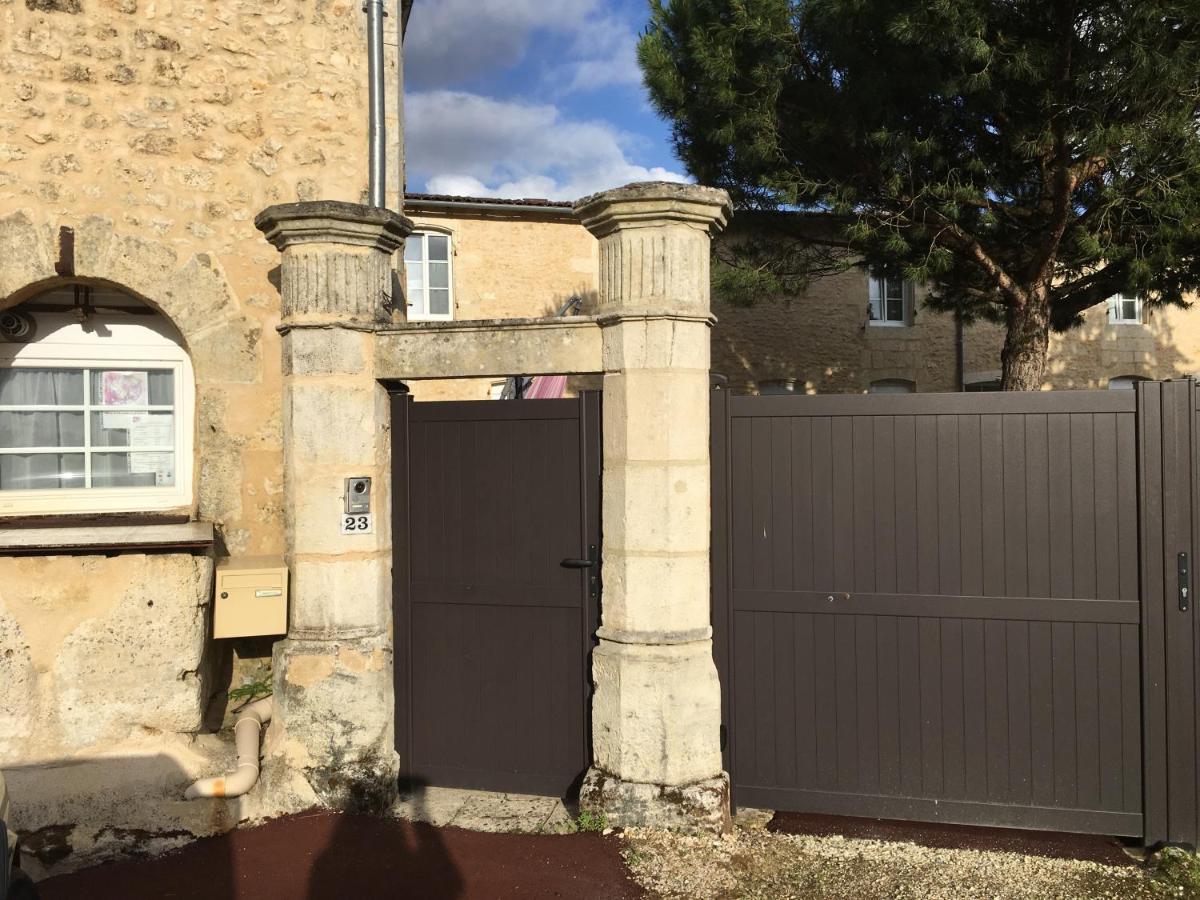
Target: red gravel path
325, 855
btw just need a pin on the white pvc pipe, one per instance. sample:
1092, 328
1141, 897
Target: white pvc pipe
246, 733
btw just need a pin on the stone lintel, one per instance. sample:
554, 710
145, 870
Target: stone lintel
288, 225
489, 348
654, 204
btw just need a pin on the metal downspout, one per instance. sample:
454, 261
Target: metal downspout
377, 132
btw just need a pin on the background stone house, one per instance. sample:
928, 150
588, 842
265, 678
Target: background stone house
511, 258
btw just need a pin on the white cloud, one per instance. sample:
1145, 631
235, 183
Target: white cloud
604, 54
453, 40
468, 144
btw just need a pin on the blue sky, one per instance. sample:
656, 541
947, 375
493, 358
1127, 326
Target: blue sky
529, 98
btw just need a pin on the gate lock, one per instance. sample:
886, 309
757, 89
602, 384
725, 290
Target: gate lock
1183, 583
592, 562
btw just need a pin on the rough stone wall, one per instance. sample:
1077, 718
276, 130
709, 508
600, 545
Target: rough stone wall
167, 126
510, 267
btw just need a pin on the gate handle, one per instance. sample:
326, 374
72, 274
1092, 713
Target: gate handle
570, 563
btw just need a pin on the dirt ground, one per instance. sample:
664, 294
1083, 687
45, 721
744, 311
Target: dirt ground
326, 855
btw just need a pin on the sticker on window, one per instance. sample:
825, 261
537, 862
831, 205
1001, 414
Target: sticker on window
124, 388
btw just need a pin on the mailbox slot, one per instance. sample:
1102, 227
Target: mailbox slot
251, 598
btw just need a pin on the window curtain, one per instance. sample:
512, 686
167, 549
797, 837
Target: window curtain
40, 387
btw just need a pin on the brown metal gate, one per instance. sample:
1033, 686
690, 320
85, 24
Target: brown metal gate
493, 632
927, 607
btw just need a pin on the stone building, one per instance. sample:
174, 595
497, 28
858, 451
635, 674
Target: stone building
202, 341
523, 258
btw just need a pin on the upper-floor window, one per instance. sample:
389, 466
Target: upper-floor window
1124, 310
95, 413
890, 300
892, 386
427, 262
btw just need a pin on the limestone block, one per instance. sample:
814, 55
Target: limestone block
340, 597
330, 424
656, 596
18, 687
656, 415
657, 507
314, 515
229, 352
324, 351
656, 713
23, 256
93, 649
656, 342
333, 720
140, 665
654, 244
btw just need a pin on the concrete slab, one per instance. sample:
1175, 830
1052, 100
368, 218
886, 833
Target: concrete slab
485, 811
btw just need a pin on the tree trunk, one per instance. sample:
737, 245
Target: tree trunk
1026, 343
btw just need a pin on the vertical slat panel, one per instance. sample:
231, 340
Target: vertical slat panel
803, 505
1108, 559
1037, 494
949, 527
883, 440
866, 697
847, 702
1087, 714
927, 506
1083, 506
953, 708
1016, 574
906, 504
888, 693
824, 666
1041, 713
1110, 741
822, 500
992, 496
1065, 729
996, 675
741, 501
1062, 568
761, 478
908, 653
864, 504
843, 504
781, 504
783, 719
970, 480
931, 708
764, 698
1020, 756
806, 702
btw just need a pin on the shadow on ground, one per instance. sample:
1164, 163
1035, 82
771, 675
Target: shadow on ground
323, 855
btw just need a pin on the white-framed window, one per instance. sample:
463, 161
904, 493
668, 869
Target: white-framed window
1124, 310
428, 267
892, 386
890, 301
95, 415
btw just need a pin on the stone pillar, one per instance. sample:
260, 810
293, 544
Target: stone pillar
333, 674
656, 715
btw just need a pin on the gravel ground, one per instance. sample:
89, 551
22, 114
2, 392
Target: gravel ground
753, 863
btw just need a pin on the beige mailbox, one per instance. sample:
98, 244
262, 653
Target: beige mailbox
251, 597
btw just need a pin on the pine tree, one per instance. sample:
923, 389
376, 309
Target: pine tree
1026, 159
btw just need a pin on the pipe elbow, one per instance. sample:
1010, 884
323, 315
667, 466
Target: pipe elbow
247, 731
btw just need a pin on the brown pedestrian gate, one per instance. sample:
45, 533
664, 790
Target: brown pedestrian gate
496, 527
960, 607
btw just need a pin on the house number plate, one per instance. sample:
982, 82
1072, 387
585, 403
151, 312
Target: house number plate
358, 523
